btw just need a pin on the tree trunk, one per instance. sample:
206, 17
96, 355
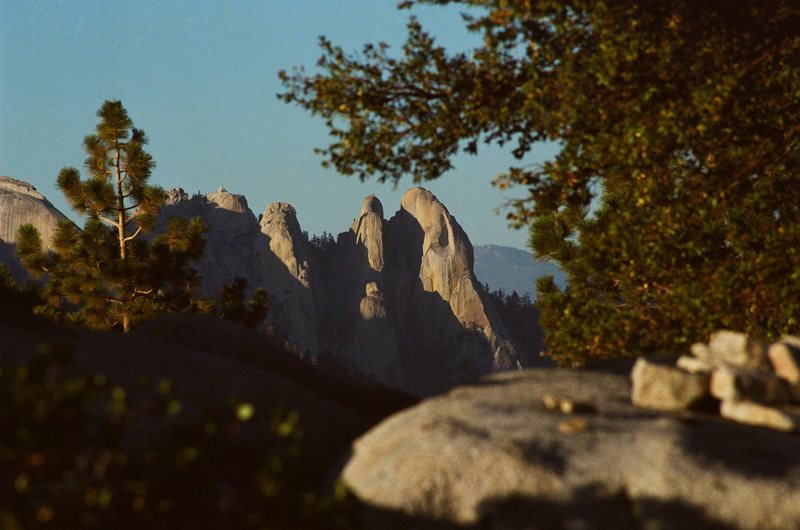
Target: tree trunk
123, 254
120, 208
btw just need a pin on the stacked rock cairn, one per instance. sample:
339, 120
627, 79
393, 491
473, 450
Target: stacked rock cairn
743, 378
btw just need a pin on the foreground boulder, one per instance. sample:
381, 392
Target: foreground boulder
500, 455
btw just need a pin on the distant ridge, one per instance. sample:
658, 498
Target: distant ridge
512, 269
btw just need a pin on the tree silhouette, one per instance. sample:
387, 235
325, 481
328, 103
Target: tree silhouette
673, 202
108, 274
232, 305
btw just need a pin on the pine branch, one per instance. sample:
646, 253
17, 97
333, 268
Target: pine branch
108, 221
138, 230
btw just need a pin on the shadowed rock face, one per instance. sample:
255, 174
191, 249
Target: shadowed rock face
21, 204
374, 349
231, 236
272, 254
423, 324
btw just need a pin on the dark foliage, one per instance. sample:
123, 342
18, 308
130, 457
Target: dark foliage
233, 307
78, 453
17, 301
521, 318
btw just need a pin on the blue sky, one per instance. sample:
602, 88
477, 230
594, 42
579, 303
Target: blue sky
201, 79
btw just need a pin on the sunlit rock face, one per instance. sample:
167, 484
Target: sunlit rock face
368, 231
21, 204
453, 330
283, 266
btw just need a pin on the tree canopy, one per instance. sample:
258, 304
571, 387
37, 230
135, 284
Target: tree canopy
107, 275
674, 200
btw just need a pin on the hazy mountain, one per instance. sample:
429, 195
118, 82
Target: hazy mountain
512, 269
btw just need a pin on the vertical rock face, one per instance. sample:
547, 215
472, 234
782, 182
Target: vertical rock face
368, 231
283, 266
374, 349
450, 325
21, 204
446, 251
357, 324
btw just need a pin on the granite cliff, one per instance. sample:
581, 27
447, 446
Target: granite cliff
21, 204
395, 299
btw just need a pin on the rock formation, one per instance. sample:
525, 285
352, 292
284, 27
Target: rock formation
231, 236
21, 204
394, 299
567, 449
270, 254
283, 268
445, 323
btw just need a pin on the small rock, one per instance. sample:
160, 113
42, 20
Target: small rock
665, 387
695, 365
550, 402
700, 350
735, 349
729, 383
573, 426
785, 359
567, 406
781, 419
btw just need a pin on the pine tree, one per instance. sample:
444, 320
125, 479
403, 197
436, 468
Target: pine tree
109, 274
232, 304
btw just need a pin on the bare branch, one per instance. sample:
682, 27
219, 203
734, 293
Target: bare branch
108, 221
139, 229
